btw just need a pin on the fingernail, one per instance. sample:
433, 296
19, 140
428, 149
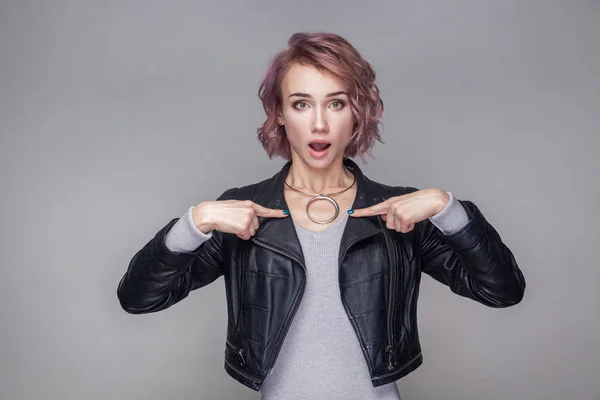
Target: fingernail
350, 211
286, 212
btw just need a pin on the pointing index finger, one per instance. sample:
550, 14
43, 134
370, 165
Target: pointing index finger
268, 212
377, 209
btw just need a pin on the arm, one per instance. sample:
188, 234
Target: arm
184, 236
452, 218
473, 261
158, 277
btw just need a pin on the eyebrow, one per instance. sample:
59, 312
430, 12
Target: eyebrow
310, 97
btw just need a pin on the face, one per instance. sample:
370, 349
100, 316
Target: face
316, 114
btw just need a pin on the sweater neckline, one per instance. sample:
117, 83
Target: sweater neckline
333, 225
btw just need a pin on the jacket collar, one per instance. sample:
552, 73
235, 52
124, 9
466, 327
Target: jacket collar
280, 233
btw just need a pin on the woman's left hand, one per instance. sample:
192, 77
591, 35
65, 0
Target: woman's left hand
401, 213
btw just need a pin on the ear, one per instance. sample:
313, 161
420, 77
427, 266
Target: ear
280, 120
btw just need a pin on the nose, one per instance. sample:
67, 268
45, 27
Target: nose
319, 124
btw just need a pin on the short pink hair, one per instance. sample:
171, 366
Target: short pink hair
332, 53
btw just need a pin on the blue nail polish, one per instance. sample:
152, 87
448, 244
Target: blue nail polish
350, 211
286, 212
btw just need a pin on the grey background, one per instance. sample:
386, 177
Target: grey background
118, 115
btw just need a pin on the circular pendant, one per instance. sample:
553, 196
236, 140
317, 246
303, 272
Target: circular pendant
326, 198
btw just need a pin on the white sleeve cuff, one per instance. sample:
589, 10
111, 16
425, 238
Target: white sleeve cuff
184, 236
452, 218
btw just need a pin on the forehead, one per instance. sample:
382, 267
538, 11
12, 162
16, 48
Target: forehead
308, 79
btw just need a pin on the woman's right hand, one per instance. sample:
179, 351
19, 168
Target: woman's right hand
239, 217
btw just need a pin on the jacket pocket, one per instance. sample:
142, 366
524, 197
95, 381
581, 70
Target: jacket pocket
234, 354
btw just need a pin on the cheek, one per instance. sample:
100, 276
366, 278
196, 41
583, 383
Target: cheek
296, 123
344, 124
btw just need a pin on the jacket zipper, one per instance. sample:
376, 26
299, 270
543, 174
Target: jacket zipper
240, 353
280, 340
344, 303
389, 348
395, 372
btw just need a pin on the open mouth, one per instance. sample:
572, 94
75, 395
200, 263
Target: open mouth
319, 146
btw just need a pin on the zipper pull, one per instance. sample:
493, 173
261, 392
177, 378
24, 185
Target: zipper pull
241, 355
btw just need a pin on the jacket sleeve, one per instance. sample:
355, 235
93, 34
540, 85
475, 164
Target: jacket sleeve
157, 278
473, 262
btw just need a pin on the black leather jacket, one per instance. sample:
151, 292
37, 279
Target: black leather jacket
379, 276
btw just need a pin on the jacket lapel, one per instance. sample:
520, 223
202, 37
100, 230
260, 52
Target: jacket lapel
358, 229
280, 233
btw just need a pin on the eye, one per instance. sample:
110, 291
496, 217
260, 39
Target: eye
300, 104
337, 104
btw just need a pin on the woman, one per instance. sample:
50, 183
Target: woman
321, 264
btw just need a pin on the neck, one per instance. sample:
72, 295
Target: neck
319, 180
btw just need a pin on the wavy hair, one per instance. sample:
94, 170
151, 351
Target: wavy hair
327, 52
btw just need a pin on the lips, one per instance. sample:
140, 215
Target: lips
319, 148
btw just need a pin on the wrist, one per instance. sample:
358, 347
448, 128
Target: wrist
200, 220
442, 199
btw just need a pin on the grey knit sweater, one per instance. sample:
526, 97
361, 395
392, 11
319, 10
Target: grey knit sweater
320, 357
